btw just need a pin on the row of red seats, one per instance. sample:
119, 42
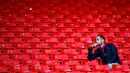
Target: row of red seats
55, 51
68, 1
57, 16
40, 25
65, 12
60, 40
54, 45
70, 7
54, 62
73, 1
52, 57
65, 68
49, 62
67, 20
70, 30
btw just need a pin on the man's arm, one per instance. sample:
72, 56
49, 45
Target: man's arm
114, 51
94, 55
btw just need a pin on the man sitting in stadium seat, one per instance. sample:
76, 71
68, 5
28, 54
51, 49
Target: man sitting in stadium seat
107, 52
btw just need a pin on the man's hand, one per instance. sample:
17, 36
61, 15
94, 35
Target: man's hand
95, 44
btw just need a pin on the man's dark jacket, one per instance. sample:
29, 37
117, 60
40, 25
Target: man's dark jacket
110, 54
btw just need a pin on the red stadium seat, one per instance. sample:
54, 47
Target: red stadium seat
15, 51
78, 45
62, 57
102, 68
43, 45
40, 35
10, 63
71, 51
70, 40
42, 68
52, 40
43, 57
62, 68
61, 45
25, 45
80, 56
20, 69
53, 51
83, 68
60, 35
8, 35
124, 68
3, 69
33, 51
52, 62
23, 57
26, 34
31, 62
72, 62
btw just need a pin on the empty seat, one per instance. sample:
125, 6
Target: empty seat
83, 29
7, 46
14, 51
126, 62
32, 62
43, 57
102, 68
33, 51
99, 30
3, 40
53, 51
51, 29
43, 45
41, 24
84, 51
65, 68
93, 62
61, 34
78, 45
42, 68
86, 39
5, 57
83, 68
52, 62
33, 40
25, 45
75, 72
43, 34
8, 34
20, 69
60, 45
52, 40
80, 56
23, 57
16, 40
10, 63
76, 35
36, 29
71, 51
66, 30
3, 69
26, 34
70, 39
124, 68
73, 62
62, 57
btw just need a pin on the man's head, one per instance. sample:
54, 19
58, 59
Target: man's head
100, 39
